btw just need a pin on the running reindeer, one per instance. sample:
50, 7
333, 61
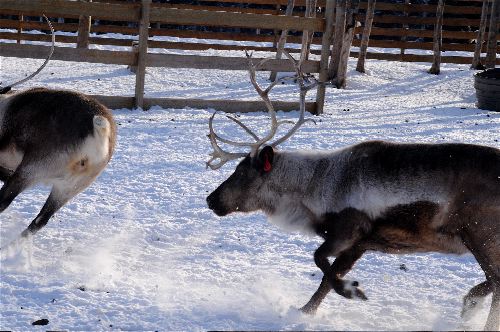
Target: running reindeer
61, 138
379, 196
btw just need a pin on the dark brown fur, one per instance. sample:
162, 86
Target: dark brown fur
381, 196
401, 229
63, 138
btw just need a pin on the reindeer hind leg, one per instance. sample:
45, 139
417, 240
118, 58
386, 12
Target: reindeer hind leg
52, 204
12, 187
475, 295
482, 237
5, 174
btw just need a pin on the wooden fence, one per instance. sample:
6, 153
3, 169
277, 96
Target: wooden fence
399, 29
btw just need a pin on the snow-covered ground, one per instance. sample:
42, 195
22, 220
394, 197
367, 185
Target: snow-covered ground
139, 249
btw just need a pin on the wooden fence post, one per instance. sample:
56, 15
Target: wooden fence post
340, 20
325, 54
491, 49
438, 39
20, 28
282, 40
82, 39
476, 60
370, 12
310, 12
405, 28
340, 78
135, 49
140, 74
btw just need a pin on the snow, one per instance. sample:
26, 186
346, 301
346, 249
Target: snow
139, 249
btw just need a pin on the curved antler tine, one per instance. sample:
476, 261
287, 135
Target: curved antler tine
276, 82
262, 62
225, 140
296, 64
303, 91
222, 161
218, 153
223, 156
250, 132
46, 60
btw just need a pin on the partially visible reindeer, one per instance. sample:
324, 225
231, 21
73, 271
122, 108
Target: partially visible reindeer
380, 196
57, 137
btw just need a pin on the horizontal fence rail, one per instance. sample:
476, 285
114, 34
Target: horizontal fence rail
400, 31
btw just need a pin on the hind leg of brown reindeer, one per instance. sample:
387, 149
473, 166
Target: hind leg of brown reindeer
333, 278
61, 193
12, 187
487, 254
5, 174
474, 295
51, 206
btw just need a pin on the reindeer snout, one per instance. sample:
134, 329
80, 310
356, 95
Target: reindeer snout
214, 204
210, 201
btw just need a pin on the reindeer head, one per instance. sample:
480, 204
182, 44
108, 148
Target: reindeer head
245, 190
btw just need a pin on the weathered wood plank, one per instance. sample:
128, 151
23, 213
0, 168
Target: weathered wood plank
418, 45
121, 12
229, 106
67, 54
151, 43
412, 20
72, 27
417, 58
417, 8
321, 3
224, 63
227, 19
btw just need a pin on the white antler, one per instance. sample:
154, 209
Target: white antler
301, 79
10, 86
218, 153
224, 156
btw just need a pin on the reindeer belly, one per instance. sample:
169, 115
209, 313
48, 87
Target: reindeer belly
415, 227
10, 157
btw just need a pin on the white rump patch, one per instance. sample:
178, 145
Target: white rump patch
96, 147
100, 122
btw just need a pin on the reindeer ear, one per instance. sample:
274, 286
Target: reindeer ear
266, 157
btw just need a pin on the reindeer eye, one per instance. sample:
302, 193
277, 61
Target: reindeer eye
82, 162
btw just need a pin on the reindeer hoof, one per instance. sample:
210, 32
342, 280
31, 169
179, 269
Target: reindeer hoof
469, 308
309, 309
351, 290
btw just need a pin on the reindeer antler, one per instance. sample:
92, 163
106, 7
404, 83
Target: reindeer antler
10, 86
224, 156
301, 78
218, 153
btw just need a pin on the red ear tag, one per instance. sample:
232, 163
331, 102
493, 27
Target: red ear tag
267, 165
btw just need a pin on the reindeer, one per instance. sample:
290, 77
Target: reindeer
57, 137
371, 196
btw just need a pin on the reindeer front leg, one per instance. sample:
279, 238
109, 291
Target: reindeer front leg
49, 208
333, 275
5, 174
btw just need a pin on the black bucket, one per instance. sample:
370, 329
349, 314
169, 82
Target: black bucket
487, 84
